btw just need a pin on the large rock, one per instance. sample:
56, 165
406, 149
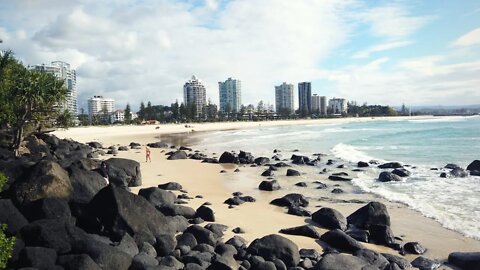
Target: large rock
38, 257
10, 215
425, 263
202, 235
474, 166
291, 200
388, 177
228, 157
104, 255
157, 196
373, 258
414, 248
459, 173
47, 180
269, 185
330, 219
362, 164
465, 260
292, 172
170, 186
48, 208
402, 172
85, 184
340, 240
272, 247
381, 234
262, 160
152, 145
205, 213
37, 148
77, 262
340, 261
121, 211
339, 178
176, 210
178, 155
390, 165
304, 230
374, 213
124, 172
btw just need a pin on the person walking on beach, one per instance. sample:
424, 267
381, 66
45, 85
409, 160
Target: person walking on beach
147, 155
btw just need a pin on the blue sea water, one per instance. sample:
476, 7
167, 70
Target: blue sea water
421, 143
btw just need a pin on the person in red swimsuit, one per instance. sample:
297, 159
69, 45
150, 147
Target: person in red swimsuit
147, 155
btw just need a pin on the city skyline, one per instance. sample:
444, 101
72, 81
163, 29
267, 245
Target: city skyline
383, 53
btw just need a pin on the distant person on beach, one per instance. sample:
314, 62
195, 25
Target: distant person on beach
104, 170
147, 155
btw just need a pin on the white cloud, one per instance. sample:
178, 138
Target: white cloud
469, 39
382, 47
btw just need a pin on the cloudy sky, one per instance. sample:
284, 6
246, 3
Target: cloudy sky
380, 52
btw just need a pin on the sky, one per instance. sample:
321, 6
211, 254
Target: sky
379, 52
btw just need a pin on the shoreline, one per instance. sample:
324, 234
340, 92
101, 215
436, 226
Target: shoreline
207, 181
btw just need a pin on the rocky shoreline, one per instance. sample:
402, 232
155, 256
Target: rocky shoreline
65, 216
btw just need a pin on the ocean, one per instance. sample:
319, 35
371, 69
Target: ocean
421, 143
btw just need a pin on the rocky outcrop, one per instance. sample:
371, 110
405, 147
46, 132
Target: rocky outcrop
269, 185
330, 219
272, 247
124, 172
388, 177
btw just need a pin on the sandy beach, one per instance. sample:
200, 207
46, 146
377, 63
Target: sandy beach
259, 218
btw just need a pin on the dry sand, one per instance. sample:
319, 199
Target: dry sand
259, 218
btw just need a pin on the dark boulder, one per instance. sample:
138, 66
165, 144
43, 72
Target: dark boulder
381, 235
299, 160
281, 165
304, 230
374, 213
95, 145
301, 184
340, 240
339, 178
157, 196
47, 180
77, 262
143, 261
358, 234
388, 177
176, 210
103, 254
340, 261
170, 186
402, 172
311, 254
399, 261
414, 248
85, 184
390, 165
228, 157
202, 235
48, 208
237, 241
292, 172
153, 145
291, 200
474, 166
298, 211
38, 257
475, 173
337, 191
459, 173
262, 160
330, 219
373, 258
124, 172
217, 229
12, 217
234, 201
120, 211
267, 173
452, 166
165, 244
465, 260
362, 164
206, 213
273, 247
180, 154
269, 185
425, 264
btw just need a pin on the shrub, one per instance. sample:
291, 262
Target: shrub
6, 243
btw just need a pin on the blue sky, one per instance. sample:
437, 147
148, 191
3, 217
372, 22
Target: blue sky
379, 52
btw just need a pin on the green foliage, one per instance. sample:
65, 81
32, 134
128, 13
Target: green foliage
6, 243
128, 114
65, 119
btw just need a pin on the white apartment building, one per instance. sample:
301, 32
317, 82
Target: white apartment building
230, 93
62, 71
194, 92
337, 105
284, 101
98, 105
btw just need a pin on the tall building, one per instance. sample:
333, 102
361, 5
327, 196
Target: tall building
323, 105
315, 103
62, 71
284, 98
305, 97
337, 105
98, 105
230, 95
194, 92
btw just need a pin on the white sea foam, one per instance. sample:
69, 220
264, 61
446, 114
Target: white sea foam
349, 153
441, 119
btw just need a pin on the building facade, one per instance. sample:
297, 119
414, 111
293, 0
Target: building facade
230, 93
323, 105
305, 97
98, 105
337, 105
284, 99
62, 71
194, 92
117, 116
316, 104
